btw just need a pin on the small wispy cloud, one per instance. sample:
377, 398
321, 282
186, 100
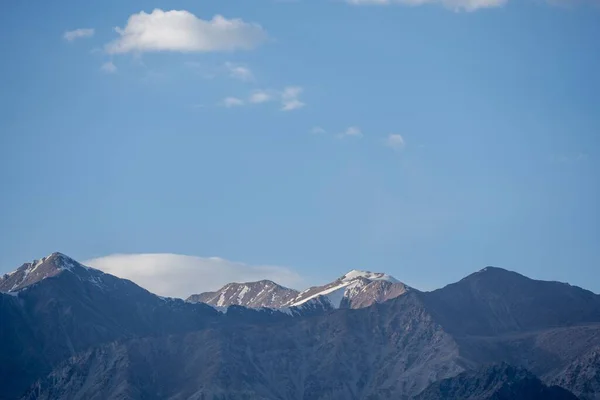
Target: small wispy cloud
395, 141
232, 102
317, 130
78, 34
109, 67
582, 156
351, 131
290, 98
294, 104
261, 96
210, 71
240, 72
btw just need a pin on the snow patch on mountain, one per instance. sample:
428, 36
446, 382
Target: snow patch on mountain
356, 289
259, 294
360, 287
243, 292
330, 292
372, 276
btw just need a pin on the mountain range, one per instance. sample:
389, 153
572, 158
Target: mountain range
356, 289
72, 332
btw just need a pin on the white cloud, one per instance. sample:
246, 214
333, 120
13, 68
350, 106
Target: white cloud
293, 104
211, 71
182, 31
109, 67
289, 98
78, 33
352, 131
317, 130
395, 141
261, 96
457, 5
239, 72
232, 102
180, 276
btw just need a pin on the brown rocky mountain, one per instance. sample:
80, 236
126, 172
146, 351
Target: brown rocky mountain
104, 337
263, 293
356, 289
31, 273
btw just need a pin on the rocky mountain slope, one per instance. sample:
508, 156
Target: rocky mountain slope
83, 334
583, 375
56, 307
356, 289
382, 352
263, 293
498, 382
494, 301
33, 272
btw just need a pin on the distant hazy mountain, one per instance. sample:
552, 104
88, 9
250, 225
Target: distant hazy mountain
72, 332
499, 382
356, 289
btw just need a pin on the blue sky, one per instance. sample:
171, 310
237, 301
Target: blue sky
427, 141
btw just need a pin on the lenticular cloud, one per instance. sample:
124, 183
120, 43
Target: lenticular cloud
180, 276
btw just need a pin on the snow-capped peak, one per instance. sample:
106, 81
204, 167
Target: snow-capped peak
259, 294
364, 287
372, 276
47, 267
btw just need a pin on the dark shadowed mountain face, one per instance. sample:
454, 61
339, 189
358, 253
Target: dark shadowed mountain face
68, 308
252, 294
381, 352
582, 376
495, 301
103, 337
500, 382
